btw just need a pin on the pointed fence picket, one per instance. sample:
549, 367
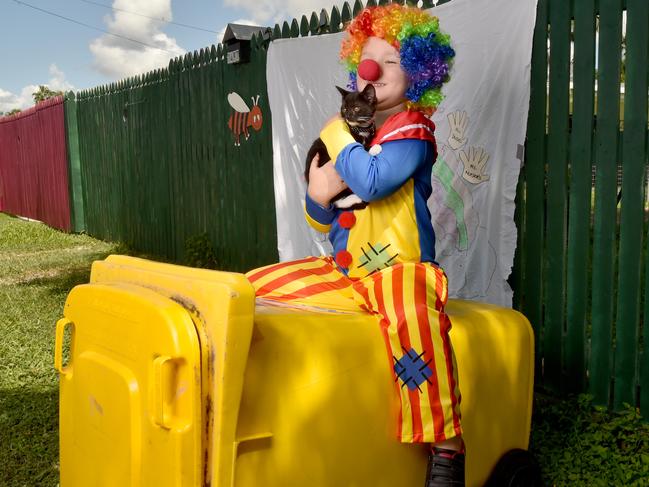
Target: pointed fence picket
581, 266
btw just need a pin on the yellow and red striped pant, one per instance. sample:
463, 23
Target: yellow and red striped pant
408, 299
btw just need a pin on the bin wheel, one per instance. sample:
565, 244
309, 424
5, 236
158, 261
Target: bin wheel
516, 468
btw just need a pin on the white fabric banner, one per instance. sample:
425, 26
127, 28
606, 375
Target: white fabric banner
480, 132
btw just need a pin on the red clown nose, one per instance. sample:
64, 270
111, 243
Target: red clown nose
369, 70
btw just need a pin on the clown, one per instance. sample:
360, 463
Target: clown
384, 254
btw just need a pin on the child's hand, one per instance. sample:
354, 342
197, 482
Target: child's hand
324, 182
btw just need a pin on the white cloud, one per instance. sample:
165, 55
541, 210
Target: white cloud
24, 99
9, 100
117, 58
270, 12
57, 81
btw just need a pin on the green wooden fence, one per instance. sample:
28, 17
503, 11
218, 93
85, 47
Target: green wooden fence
159, 165
158, 161
77, 216
581, 265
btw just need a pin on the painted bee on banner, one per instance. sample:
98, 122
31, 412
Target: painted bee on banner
243, 117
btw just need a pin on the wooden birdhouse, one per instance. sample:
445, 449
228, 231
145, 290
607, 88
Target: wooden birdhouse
236, 41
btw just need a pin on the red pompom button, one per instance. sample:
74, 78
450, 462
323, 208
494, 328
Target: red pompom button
369, 70
344, 259
347, 219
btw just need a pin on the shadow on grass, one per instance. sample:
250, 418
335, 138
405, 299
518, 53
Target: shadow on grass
29, 437
66, 279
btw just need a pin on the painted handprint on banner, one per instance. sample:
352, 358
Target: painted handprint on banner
454, 215
458, 122
474, 165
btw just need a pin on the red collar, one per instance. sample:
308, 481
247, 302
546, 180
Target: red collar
406, 125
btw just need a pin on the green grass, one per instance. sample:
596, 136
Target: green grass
575, 443
38, 267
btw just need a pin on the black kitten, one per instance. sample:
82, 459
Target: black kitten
358, 112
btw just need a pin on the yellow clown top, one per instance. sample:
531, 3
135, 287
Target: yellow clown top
394, 177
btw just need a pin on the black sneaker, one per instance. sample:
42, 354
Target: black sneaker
445, 469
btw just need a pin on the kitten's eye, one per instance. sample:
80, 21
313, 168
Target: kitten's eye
356, 109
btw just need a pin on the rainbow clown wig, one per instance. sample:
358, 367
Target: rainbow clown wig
425, 51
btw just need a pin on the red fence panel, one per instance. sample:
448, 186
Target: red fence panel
34, 164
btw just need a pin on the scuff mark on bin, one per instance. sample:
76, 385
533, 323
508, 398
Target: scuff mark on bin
207, 481
95, 405
188, 305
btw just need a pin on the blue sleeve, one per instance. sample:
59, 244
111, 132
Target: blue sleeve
318, 216
375, 177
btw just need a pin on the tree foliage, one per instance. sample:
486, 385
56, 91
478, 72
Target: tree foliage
43, 93
578, 444
10, 112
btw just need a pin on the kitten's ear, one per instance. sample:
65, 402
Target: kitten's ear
343, 91
369, 93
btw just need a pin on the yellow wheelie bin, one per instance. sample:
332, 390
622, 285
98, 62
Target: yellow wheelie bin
177, 377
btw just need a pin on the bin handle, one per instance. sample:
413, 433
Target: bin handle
159, 416
58, 346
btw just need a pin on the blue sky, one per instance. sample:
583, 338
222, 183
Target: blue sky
39, 48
